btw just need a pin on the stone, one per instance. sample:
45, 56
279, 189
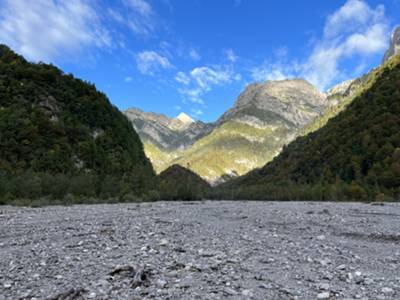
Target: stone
387, 290
163, 242
324, 295
247, 293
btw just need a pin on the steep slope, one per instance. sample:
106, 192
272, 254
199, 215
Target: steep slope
179, 183
265, 117
164, 138
355, 155
52, 123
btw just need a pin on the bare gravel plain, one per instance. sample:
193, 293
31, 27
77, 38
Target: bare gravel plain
201, 250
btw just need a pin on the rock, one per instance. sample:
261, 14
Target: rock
387, 290
247, 293
324, 295
161, 283
324, 286
7, 285
163, 242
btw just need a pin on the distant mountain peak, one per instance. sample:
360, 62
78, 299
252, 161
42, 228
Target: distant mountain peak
184, 118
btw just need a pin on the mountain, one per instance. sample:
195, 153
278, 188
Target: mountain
179, 183
164, 138
166, 133
356, 155
394, 45
57, 127
264, 118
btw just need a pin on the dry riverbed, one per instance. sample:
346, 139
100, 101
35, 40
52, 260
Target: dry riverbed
201, 250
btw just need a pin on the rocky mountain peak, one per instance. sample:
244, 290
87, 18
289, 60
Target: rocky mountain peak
288, 91
184, 118
394, 47
293, 101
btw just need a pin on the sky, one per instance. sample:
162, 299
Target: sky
172, 56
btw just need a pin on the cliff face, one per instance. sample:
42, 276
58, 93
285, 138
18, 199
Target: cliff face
167, 133
394, 45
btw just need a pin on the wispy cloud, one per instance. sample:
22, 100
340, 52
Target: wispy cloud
354, 31
137, 15
141, 6
196, 112
68, 27
194, 54
148, 62
230, 55
203, 79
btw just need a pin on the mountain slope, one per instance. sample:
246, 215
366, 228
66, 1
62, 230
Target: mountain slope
356, 155
52, 123
179, 183
164, 138
265, 117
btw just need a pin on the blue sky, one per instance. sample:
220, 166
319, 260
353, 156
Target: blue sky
196, 56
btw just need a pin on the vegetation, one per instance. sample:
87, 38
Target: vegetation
60, 138
179, 183
234, 148
356, 155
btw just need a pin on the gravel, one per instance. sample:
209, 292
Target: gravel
201, 250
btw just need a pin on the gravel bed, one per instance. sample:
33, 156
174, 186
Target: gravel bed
201, 250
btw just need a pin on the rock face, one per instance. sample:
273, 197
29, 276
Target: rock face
201, 250
166, 133
394, 45
292, 102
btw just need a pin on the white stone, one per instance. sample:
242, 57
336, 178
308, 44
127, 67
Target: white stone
324, 295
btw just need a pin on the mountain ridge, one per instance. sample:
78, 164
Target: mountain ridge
354, 156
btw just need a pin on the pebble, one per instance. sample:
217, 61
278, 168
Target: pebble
387, 290
324, 295
122, 251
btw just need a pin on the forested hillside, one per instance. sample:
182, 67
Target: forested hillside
60, 137
179, 183
356, 155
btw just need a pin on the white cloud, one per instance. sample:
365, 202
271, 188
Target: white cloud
182, 78
194, 54
196, 112
205, 77
275, 71
141, 6
128, 79
149, 62
46, 30
138, 15
354, 31
230, 55
201, 80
